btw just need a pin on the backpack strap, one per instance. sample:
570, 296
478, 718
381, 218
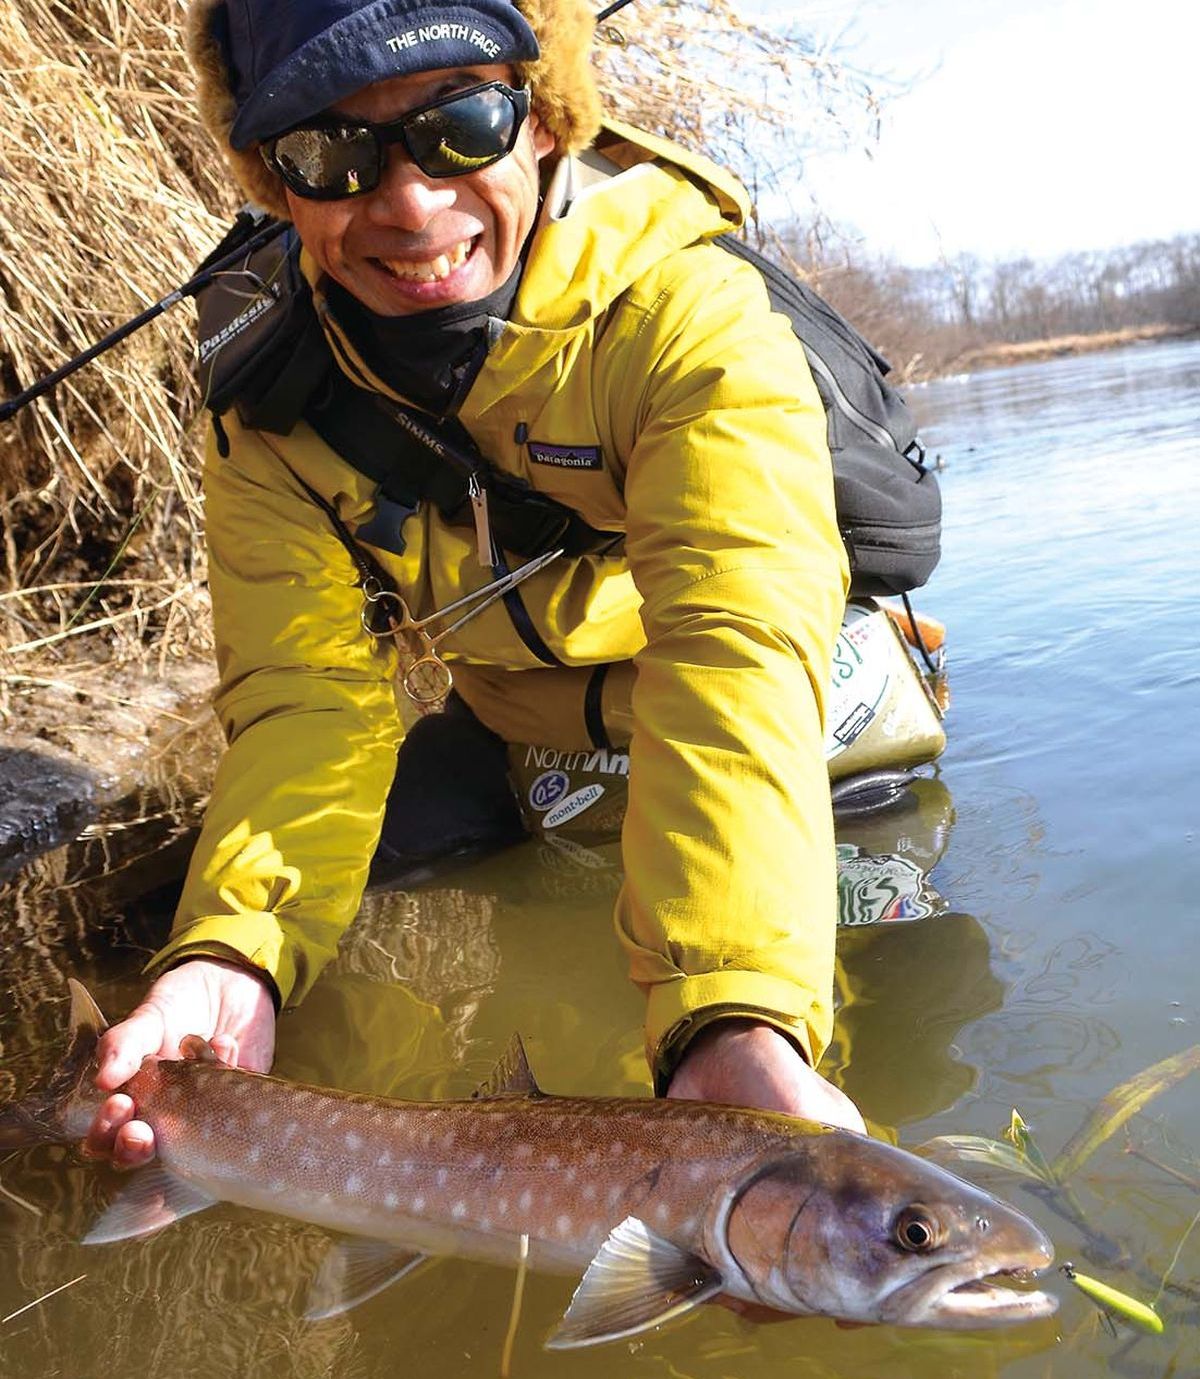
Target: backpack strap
263, 352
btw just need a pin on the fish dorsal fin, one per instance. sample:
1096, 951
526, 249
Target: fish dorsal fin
85, 1013
154, 1199
637, 1280
353, 1271
511, 1076
196, 1049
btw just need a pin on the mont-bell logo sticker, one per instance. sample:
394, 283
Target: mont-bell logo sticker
573, 805
566, 456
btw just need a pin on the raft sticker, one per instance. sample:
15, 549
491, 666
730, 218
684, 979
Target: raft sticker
881, 888
573, 805
548, 788
859, 678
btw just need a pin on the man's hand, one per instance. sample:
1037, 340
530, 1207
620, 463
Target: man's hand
745, 1063
220, 1001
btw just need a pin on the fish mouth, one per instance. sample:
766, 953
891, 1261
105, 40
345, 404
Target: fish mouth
970, 1296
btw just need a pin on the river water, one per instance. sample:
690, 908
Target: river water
1060, 826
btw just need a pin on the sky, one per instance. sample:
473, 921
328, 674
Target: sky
1030, 128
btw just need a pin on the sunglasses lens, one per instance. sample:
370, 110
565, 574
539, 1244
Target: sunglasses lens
334, 162
462, 135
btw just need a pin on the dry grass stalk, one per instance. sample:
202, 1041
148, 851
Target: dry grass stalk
111, 195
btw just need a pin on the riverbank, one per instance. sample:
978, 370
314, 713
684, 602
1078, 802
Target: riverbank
1001, 353
80, 739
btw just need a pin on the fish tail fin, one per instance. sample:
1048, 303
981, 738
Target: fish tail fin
59, 1111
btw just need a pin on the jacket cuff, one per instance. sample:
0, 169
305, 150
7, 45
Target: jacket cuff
254, 940
677, 1011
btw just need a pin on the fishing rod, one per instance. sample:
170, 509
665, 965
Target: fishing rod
247, 238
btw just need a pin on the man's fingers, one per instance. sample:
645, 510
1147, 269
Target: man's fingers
134, 1145
121, 1049
225, 1046
115, 1113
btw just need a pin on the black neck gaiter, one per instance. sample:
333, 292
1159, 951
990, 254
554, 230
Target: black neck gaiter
430, 358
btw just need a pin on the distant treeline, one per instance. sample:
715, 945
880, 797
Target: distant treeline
930, 320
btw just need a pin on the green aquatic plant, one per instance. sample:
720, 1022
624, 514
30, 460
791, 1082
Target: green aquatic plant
1019, 1153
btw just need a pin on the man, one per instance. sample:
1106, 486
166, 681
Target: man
570, 315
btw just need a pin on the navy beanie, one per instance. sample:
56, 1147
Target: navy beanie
291, 59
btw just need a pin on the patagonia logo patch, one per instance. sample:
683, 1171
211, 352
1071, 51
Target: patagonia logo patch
566, 456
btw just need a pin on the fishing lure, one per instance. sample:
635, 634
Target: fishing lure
1111, 1300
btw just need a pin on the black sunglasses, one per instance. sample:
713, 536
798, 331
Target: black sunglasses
331, 157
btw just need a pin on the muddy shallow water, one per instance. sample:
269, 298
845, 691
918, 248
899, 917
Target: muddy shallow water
1059, 829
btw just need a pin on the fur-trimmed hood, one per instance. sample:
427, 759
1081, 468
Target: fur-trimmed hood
561, 81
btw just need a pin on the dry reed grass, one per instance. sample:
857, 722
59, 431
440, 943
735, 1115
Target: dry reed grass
113, 193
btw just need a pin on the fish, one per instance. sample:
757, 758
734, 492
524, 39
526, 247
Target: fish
657, 1205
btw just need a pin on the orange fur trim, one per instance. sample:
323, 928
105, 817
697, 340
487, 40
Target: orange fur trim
562, 88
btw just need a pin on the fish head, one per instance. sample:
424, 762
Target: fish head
849, 1227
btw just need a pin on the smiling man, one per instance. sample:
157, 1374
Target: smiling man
486, 270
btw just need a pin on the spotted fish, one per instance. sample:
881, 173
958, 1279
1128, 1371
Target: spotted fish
660, 1205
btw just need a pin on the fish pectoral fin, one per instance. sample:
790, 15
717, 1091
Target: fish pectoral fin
196, 1049
353, 1271
154, 1199
637, 1280
511, 1077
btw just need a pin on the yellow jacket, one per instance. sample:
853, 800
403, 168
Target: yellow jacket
633, 335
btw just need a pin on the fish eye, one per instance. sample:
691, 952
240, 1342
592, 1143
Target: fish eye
916, 1230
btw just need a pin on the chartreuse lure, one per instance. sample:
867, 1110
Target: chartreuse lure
1111, 1300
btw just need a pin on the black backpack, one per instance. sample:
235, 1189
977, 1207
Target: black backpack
263, 351
889, 506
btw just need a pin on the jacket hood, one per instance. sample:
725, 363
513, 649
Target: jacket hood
611, 215
561, 81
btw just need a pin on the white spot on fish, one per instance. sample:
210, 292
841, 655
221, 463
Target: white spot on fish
689, 1225
485, 1223
384, 1159
662, 1213
563, 1225
524, 1151
502, 1206
354, 1184
390, 1200
616, 1149
448, 1139
334, 1117
440, 1177
552, 1161
262, 1118
458, 1210
696, 1172
418, 1203
570, 1175
353, 1141
589, 1192
230, 1125
407, 1168
277, 1185
253, 1154
614, 1196
525, 1201
477, 1162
